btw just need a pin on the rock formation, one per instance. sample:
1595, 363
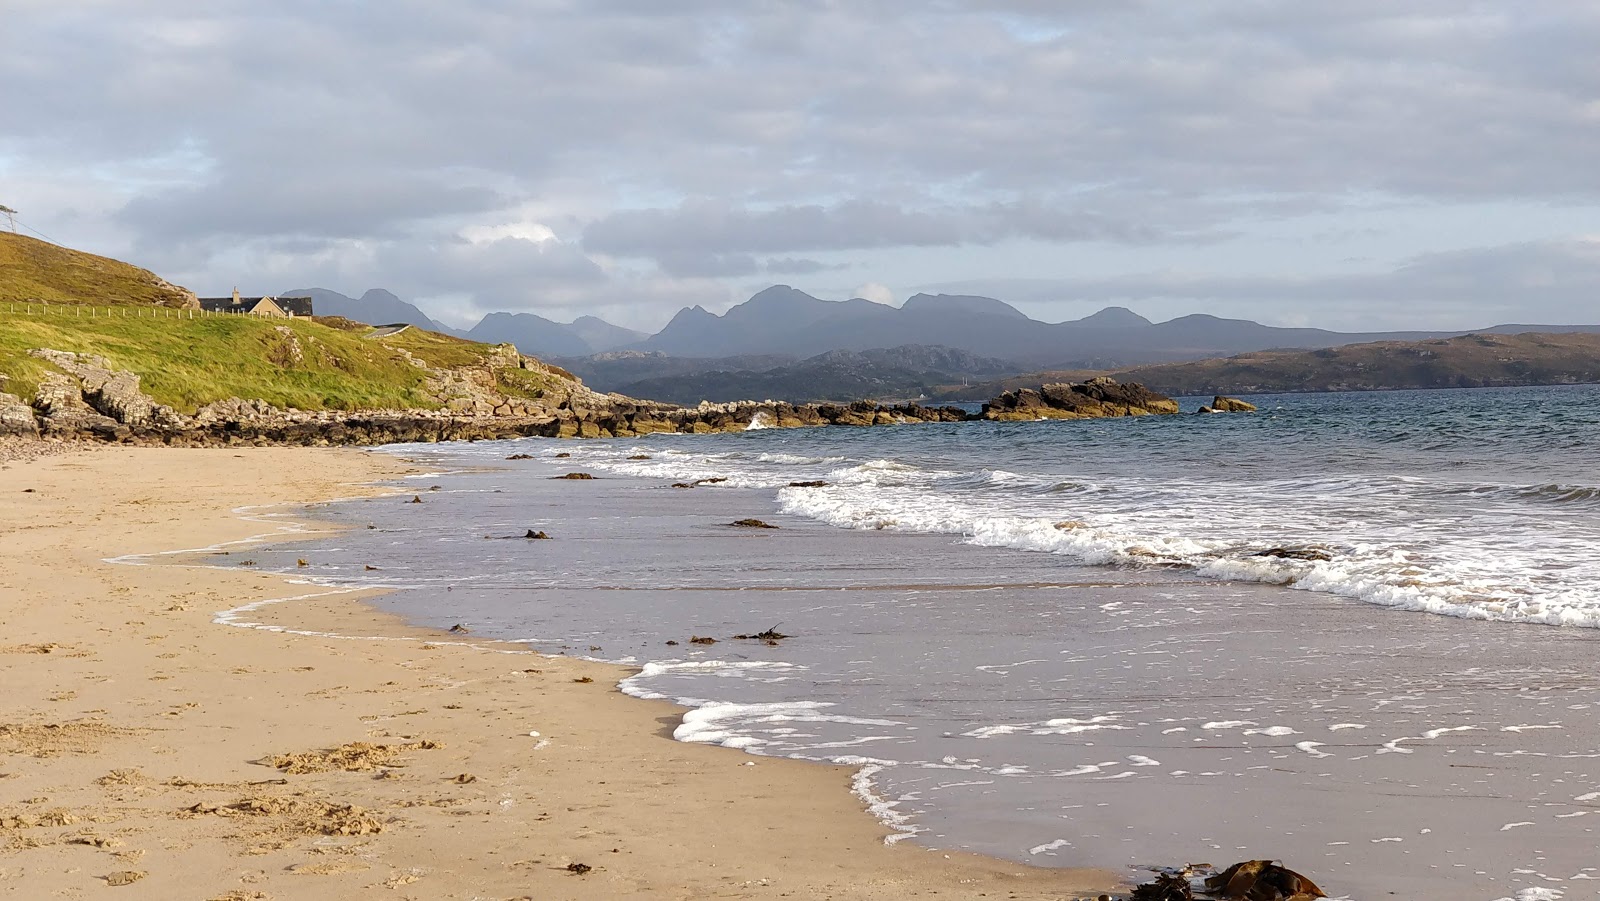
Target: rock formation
1221, 404
89, 398
1095, 399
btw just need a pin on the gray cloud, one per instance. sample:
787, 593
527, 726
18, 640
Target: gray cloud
678, 147
1550, 283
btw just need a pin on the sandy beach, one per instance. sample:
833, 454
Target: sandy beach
147, 751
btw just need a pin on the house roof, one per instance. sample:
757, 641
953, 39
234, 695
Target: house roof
298, 306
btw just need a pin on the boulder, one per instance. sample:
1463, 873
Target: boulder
1221, 404
16, 417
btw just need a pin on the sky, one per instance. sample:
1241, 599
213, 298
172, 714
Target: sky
1359, 165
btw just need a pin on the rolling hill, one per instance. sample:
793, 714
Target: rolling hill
1467, 361
37, 271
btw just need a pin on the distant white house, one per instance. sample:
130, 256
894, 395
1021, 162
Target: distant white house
279, 307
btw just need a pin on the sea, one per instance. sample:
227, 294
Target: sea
1355, 632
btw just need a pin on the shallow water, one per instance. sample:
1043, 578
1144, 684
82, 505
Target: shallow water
1057, 642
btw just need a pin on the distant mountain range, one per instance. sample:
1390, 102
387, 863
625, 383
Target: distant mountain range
533, 335
780, 344
887, 375
783, 320
541, 337
376, 307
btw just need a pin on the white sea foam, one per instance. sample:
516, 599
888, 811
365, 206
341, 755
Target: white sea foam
639, 685
884, 809
750, 726
1062, 726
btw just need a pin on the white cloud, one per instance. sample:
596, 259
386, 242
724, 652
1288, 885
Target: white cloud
876, 293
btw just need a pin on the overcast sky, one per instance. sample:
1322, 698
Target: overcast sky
1359, 164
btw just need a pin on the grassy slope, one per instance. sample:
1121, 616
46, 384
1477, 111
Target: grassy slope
188, 363
1463, 362
35, 270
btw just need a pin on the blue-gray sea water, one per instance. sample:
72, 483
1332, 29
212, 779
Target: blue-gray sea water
1357, 632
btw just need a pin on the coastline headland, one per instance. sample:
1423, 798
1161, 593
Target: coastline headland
85, 397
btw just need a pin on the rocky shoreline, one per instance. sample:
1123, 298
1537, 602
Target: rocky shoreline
87, 399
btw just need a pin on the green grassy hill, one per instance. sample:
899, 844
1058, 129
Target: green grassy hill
34, 270
184, 362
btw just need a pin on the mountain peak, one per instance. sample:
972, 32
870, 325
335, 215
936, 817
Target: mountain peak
961, 303
1112, 317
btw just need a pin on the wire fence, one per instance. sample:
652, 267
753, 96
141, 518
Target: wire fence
85, 311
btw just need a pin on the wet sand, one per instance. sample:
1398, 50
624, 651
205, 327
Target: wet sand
148, 751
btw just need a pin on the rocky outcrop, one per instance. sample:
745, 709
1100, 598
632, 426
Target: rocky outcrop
1095, 399
89, 398
113, 393
16, 418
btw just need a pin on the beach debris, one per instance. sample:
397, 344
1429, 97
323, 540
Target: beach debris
435, 487
1070, 524
29, 490
702, 639
671, 642
465, 779
639, 457
301, 562
814, 483
370, 568
123, 777
1166, 887
714, 480
416, 499
1294, 553
575, 477
562, 455
537, 535
306, 816
578, 868
583, 679
247, 563
683, 484
1262, 880
125, 877
520, 457
770, 636
751, 524
355, 757
459, 629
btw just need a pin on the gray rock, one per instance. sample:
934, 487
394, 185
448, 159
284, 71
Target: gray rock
16, 417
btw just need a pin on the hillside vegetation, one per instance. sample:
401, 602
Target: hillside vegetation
1468, 361
299, 363
185, 363
38, 271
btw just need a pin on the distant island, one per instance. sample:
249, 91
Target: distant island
1466, 361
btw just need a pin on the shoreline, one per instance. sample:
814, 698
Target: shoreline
137, 746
